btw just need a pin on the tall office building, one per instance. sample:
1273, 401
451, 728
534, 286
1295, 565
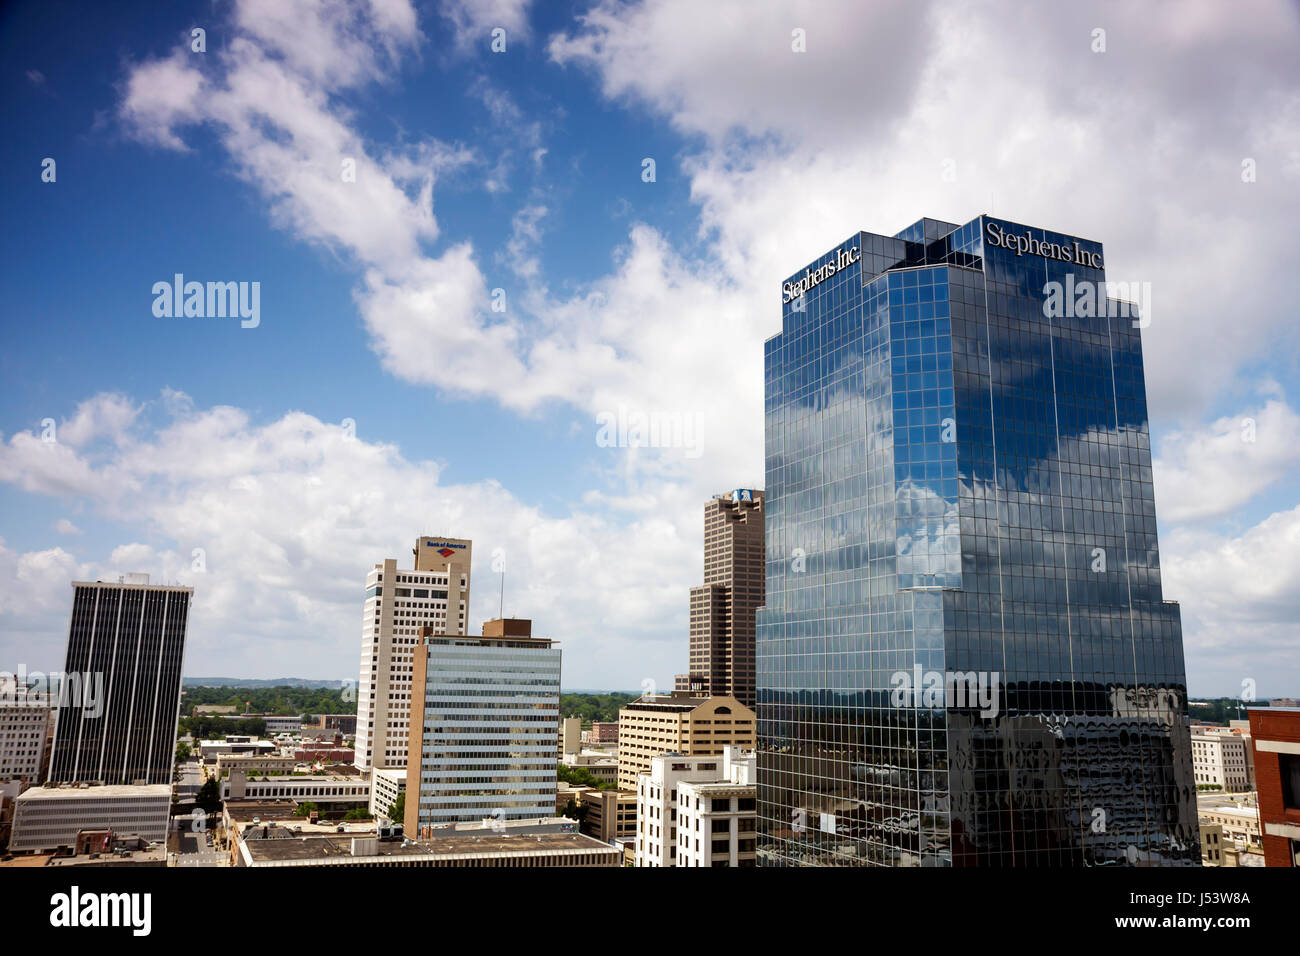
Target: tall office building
484, 727
965, 657
120, 696
723, 608
397, 604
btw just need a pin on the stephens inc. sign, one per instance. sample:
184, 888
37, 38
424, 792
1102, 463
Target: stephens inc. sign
811, 277
997, 237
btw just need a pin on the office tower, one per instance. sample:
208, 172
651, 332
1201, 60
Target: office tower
678, 723
120, 693
398, 604
696, 811
722, 609
1275, 733
965, 657
484, 726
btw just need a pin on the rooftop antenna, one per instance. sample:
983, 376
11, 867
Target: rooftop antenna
502, 604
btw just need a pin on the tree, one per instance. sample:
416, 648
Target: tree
209, 797
575, 812
306, 809
397, 812
183, 752
357, 813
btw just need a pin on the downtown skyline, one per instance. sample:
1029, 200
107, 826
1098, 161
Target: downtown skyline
445, 340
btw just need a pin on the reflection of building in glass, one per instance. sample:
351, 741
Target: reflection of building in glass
959, 485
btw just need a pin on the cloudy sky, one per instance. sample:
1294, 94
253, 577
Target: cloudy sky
466, 263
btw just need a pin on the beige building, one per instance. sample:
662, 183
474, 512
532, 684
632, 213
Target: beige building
570, 736
397, 604
723, 608
678, 723
253, 764
1237, 817
1222, 757
610, 816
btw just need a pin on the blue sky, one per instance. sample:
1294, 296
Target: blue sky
522, 171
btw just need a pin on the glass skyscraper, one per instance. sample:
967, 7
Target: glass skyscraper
965, 657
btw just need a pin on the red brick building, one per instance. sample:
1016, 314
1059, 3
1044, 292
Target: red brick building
1275, 732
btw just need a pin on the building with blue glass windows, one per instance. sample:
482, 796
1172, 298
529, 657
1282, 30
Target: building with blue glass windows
965, 657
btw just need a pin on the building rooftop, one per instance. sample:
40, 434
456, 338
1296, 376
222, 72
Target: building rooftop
104, 791
337, 849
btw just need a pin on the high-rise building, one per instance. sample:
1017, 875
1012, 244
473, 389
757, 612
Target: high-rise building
120, 697
398, 603
722, 609
484, 726
678, 723
965, 657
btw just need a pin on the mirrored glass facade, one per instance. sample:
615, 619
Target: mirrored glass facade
965, 657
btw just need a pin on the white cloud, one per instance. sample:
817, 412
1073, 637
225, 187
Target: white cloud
64, 526
1240, 598
474, 20
275, 526
1211, 470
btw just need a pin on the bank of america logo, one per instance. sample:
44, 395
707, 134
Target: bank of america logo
446, 552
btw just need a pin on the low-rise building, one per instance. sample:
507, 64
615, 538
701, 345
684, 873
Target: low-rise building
275, 723
50, 818
386, 785
210, 750
1221, 758
553, 842
339, 787
253, 765
602, 766
1236, 815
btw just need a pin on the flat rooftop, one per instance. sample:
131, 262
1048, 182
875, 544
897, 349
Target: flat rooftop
338, 848
105, 792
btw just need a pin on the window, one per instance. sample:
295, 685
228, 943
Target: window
1289, 766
